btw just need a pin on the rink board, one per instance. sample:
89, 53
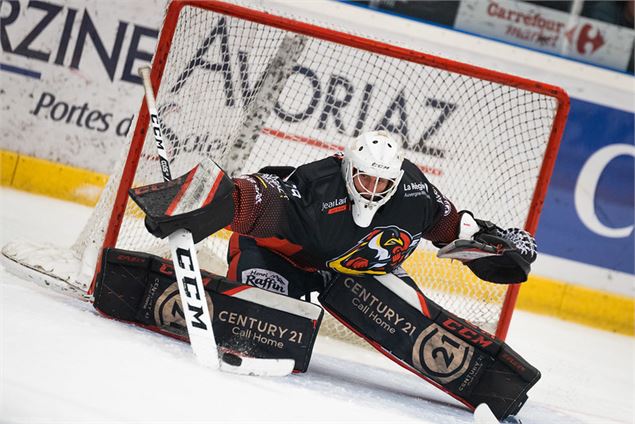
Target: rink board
541, 295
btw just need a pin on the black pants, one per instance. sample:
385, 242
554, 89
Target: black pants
258, 266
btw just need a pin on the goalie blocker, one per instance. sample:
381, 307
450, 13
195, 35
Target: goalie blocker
419, 335
140, 288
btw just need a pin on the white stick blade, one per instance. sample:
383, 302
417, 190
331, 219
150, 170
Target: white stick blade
256, 366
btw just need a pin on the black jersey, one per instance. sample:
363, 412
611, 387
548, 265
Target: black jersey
307, 218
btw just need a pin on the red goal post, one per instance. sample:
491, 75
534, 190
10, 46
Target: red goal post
552, 99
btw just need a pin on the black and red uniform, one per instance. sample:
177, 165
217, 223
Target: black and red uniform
291, 234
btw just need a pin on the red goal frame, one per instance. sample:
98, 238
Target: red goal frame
160, 59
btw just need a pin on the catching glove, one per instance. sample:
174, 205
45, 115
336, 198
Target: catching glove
491, 253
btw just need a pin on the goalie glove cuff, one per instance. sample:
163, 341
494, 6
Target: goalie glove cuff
514, 238
518, 251
467, 225
492, 253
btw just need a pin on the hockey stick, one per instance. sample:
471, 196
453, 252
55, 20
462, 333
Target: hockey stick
190, 283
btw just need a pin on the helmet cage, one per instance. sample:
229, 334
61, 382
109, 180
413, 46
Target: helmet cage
371, 194
376, 154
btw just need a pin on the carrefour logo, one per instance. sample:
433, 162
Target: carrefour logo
586, 186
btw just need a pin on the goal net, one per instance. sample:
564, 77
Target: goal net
248, 89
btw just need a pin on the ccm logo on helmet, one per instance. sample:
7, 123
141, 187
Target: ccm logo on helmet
379, 165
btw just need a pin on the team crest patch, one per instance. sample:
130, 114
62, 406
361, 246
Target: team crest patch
383, 249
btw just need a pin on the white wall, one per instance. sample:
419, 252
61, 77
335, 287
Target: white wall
61, 100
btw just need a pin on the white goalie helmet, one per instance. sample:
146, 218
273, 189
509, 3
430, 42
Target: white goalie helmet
372, 171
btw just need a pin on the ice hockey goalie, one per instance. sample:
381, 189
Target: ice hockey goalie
343, 226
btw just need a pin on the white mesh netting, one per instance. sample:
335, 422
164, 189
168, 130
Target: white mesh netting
249, 95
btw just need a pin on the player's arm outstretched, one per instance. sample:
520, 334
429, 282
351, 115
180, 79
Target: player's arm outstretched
255, 205
492, 253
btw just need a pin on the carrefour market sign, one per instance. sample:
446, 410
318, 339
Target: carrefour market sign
548, 30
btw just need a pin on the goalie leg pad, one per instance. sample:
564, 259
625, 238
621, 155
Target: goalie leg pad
399, 321
141, 289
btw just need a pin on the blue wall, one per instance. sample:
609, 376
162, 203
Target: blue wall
561, 231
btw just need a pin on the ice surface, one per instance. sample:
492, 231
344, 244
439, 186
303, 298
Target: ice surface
484, 415
61, 362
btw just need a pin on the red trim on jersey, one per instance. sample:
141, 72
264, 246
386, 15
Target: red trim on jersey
282, 246
212, 192
285, 249
234, 257
206, 281
177, 198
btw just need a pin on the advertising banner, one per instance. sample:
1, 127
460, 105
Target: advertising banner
589, 212
69, 85
549, 30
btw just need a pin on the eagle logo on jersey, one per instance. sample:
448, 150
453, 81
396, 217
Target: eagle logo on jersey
382, 250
